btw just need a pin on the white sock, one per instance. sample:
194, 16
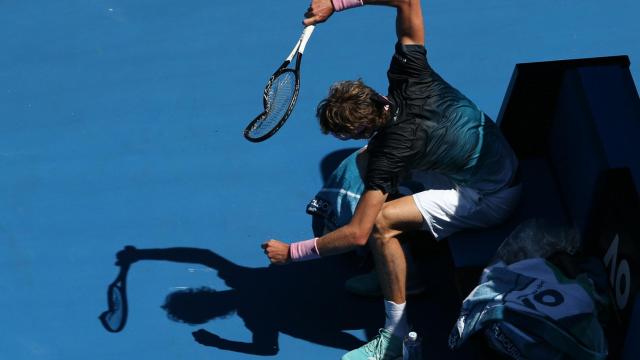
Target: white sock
396, 320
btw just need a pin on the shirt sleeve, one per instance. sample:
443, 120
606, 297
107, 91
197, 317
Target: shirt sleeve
409, 61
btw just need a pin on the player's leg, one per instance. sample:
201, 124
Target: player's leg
368, 284
395, 218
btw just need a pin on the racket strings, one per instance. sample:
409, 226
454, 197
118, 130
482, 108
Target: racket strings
278, 98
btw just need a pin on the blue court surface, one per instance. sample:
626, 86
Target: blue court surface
121, 124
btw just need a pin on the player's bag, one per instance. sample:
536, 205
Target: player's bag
537, 308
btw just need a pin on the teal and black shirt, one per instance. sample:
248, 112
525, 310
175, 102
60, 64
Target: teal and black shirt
435, 127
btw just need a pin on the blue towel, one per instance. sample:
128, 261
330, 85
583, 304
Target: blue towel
337, 200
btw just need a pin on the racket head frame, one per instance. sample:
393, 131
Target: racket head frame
298, 50
283, 69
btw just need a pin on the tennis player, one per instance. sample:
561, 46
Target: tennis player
423, 128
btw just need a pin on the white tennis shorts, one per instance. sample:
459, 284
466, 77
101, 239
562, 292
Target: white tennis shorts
448, 208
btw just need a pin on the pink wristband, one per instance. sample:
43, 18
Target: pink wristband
304, 250
339, 5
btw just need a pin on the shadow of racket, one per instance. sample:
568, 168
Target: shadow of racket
115, 317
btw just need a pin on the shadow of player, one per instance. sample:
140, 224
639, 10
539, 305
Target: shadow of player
303, 300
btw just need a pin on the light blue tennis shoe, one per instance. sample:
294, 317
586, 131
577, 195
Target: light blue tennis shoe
385, 346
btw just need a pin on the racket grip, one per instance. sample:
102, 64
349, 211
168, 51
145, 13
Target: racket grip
306, 34
340, 5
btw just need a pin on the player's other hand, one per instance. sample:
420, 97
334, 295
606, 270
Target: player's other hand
276, 251
319, 11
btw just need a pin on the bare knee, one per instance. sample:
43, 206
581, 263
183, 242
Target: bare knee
384, 229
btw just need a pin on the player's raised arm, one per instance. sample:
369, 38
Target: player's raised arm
409, 21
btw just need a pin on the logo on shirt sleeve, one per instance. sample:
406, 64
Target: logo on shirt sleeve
400, 58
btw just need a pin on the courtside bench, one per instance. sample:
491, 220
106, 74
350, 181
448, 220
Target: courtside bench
575, 126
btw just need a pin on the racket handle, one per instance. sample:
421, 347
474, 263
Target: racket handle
306, 34
301, 43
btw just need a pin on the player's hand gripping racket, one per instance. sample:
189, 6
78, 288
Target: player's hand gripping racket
280, 94
115, 318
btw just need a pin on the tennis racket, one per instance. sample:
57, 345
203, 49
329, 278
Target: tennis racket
280, 94
115, 318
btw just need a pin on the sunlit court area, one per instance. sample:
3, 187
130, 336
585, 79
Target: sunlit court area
135, 207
